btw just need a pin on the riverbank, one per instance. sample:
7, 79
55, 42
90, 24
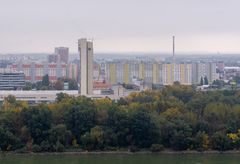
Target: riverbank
125, 152
121, 159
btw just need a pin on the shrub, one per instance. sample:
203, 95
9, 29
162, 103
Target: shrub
134, 149
59, 147
45, 146
221, 142
156, 148
21, 150
36, 148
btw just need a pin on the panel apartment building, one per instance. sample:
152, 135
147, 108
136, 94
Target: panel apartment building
152, 72
34, 71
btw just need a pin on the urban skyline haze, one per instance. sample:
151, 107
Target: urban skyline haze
120, 26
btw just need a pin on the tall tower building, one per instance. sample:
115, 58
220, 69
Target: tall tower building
85, 49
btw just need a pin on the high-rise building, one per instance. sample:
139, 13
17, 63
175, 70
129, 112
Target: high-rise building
111, 71
155, 73
63, 53
220, 67
204, 69
150, 72
53, 58
96, 72
183, 73
85, 49
72, 71
167, 73
35, 71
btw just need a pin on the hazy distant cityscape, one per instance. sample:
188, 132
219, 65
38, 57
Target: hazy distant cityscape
112, 75
119, 82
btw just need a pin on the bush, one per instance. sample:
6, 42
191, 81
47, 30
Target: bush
36, 149
59, 147
110, 148
156, 148
21, 150
8, 141
134, 149
45, 146
221, 142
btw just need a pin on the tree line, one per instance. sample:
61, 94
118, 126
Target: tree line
175, 118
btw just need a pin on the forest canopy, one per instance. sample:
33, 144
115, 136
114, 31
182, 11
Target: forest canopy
175, 118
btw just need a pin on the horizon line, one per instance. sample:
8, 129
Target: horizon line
134, 52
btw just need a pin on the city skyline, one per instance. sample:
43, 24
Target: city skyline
29, 26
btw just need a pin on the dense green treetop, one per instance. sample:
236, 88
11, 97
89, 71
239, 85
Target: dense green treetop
177, 117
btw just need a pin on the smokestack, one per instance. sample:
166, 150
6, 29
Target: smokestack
173, 62
174, 49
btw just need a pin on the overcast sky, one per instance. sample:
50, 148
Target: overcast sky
120, 25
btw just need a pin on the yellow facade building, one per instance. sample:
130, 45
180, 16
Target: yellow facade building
155, 74
126, 73
112, 74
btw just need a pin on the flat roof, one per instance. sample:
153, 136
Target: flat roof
47, 95
37, 92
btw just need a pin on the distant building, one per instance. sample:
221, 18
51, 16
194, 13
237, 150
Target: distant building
100, 88
73, 71
12, 81
220, 67
204, 69
33, 97
85, 49
63, 54
128, 71
152, 72
35, 71
167, 73
53, 58
96, 72
183, 73
49, 96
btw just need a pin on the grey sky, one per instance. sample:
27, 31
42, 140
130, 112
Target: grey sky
120, 25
